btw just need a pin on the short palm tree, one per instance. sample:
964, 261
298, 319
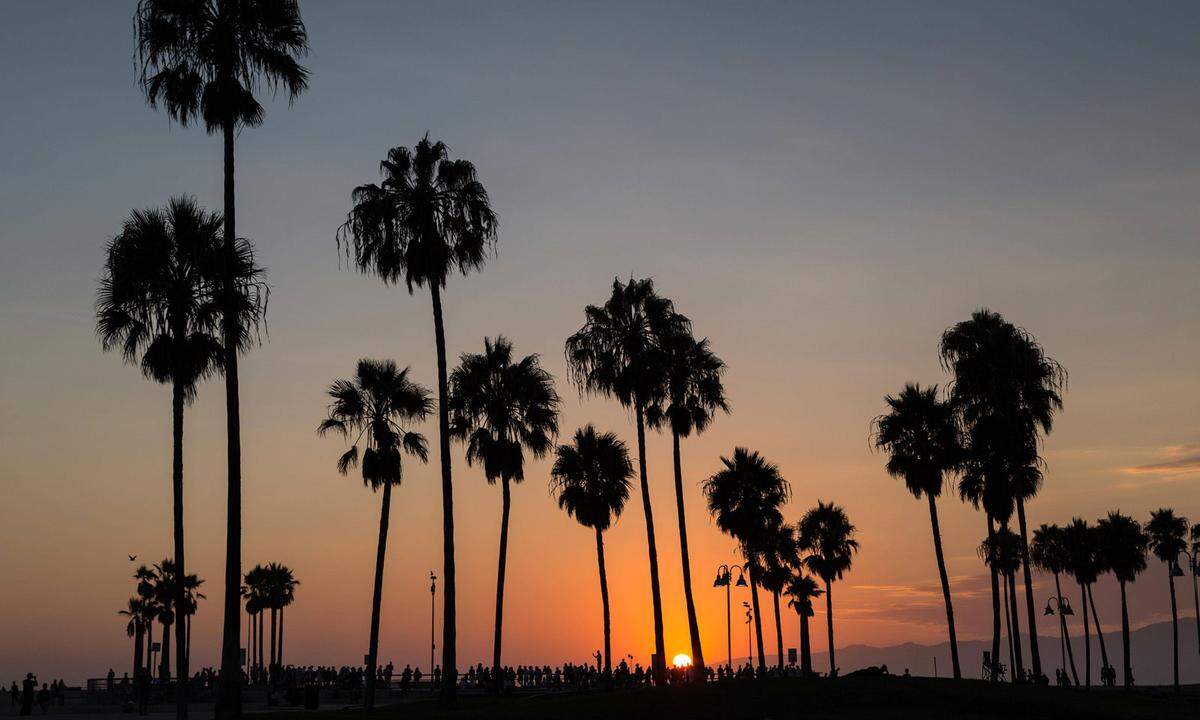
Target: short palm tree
1085, 565
802, 590
921, 439
1123, 544
157, 304
694, 394
826, 539
135, 628
1049, 552
429, 218
1168, 535
255, 592
501, 407
205, 61
617, 353
1001, 551
778, 554
591, 478
745, 498
280, 591
375, 409
147, 581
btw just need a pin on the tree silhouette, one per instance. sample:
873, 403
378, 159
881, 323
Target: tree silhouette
1085, 565
1001, 551
1167, 534
147, 581
205, 61
374, 410
591, 478
429, 217
500, 407
921, 440
826, 539
135, 628
778, 554
1195, 537
255, 592
279, 591
618, 353
1049, 552
745, 497
802, 590
1122, 545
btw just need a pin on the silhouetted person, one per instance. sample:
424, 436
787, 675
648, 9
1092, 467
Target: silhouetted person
43, 698
15, 693
28, 688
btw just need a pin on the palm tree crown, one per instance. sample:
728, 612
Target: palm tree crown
592, 477
920, 437
827, 537
1167, 534
693, 392
1122, 544
802, 590
1049, 549
745, 497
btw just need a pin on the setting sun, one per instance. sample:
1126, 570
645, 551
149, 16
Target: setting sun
682, 660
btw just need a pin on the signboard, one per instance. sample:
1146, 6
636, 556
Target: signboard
791, 656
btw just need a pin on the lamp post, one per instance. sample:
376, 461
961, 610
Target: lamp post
1059, 604
432, 615
724, 576
1194, 565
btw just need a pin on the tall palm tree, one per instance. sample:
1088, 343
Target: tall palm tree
745, 498
778, 554
921, 439
1050, 553
826, 538
135, 628
1001, 552
278, 590
205, 61
1006, 390
618, 353
591, 478
256, 603
1168, 533
1085, 564
802, 590
500, 407
1195, 537
693, 395
1123, 544
428, 218
157, 304
375, 409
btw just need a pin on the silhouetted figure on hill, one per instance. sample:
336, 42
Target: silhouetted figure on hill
28, 688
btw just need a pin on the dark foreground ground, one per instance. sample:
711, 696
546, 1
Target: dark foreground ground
875, 697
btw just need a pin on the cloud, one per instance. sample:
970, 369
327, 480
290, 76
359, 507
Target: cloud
1176, 460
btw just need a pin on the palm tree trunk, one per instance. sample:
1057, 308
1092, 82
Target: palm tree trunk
497, 674
181, 659
1065, 633
757, 622
1127, 670
1099, 633
1012, 656
693, 625
805, 646
1035, 657
280, 659
260, 643
377, 598
604, 604
139, 633
941, 561
150, 649
449, 618
164, 662
188, 649
1019, 669
1196, 599
660, 660
1174, 627
778, 632
274, 656
1087, 639
229, 705
829, 623
995, 599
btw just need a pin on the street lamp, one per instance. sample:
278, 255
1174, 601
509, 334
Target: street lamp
432, 615
1059, 604
724, 576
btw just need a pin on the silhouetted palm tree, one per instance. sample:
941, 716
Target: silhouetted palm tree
1006, 391
204, 61
500, 407
1122, 545
255, 592
694, 394
375, 409
147, 580
1085, 565
826, 538
778, 554
802, 590
1167, 533
168, 586
921, 440
1001, 551
428, 218
1049, 552
618, 353
1195, 536
157, 304
280, 591
591, 477
745, 497
135, 628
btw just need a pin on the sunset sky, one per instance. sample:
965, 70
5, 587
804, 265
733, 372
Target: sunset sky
822, 187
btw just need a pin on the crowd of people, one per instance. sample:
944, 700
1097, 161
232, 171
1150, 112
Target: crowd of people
24, 697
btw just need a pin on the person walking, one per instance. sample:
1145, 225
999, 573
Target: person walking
28, 688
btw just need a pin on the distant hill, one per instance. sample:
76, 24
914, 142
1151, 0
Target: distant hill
1150, 648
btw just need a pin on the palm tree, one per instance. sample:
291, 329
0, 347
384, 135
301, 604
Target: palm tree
135, 628
256, 603
1085, 565
1050, 553
278, 588
802, 590
921, 439
1168, 534
204, 61
500, 407
1123, 544
429, 217
375, 409
694, 394
157, 304
591, 478
1006, 391
778, 554
826, 537
745, 497
618, 353
166, 591
1001, 552
147, 580
1195, 536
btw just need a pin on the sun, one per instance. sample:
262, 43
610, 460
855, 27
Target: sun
682, 660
